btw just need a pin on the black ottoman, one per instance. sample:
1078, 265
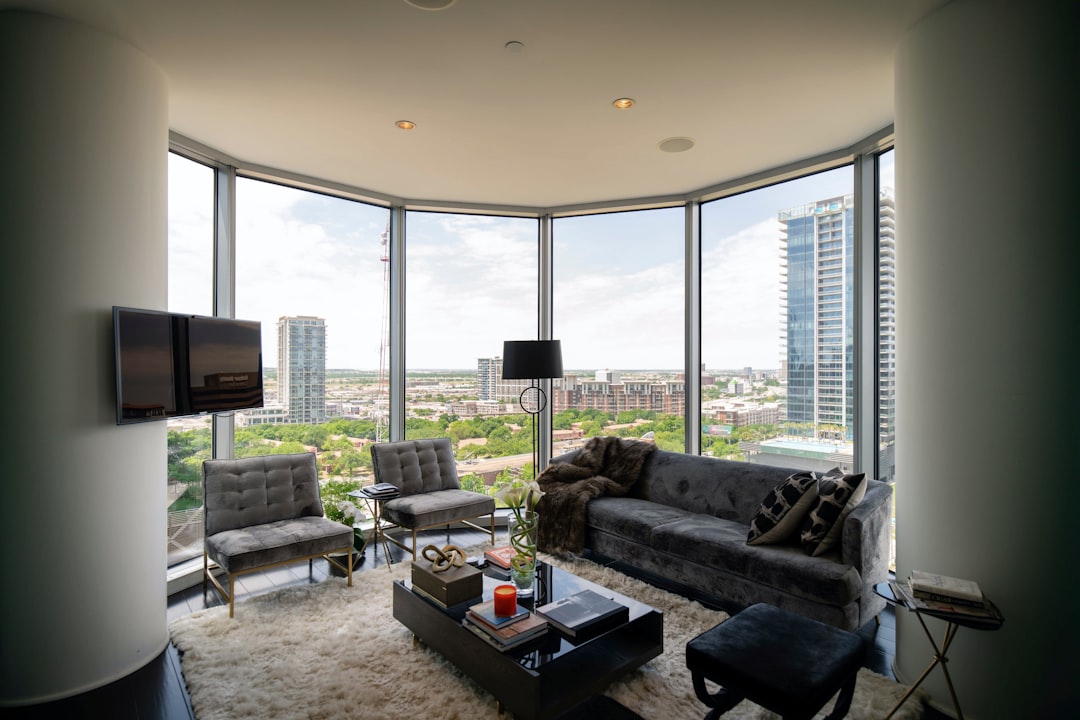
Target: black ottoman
786, 663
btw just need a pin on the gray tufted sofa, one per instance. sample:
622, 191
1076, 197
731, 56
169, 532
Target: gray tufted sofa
264, 511
686, 520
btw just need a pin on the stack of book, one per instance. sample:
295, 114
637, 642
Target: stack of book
944, 594
380, 490
498, 561
584, 614
503, 632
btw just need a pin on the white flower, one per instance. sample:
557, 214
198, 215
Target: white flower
518, 494
352, 513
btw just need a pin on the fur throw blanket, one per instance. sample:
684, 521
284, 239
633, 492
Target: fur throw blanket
603, 466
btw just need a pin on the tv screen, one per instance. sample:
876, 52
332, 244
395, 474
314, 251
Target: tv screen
171, 365
145, 365
224, 364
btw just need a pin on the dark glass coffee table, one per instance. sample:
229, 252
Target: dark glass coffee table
547, 676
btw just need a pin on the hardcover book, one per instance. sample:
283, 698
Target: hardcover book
484, 613
500, 556
944, 588
380, 490
531, 626
903, 592
583, 612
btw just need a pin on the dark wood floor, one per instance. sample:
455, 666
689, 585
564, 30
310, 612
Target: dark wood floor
157, 691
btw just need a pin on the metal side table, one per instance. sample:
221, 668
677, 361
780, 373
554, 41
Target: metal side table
991, 620
374, 505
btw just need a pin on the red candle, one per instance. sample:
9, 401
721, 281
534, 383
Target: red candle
505, 600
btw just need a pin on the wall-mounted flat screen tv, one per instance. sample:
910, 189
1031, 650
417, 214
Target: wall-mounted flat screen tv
172, 365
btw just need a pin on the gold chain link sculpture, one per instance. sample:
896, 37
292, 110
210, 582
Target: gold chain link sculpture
449, 556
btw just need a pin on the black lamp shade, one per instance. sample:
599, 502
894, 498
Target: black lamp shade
531, 359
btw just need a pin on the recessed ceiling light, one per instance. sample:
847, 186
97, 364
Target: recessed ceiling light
405, 124
676, 144
623, 103
514, 46
430, 4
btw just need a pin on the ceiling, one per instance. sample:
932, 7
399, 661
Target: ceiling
314, 88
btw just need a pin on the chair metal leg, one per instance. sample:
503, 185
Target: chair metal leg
232, 593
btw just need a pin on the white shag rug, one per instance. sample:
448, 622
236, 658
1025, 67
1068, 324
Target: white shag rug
332, 652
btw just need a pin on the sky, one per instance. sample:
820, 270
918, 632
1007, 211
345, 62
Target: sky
471, 280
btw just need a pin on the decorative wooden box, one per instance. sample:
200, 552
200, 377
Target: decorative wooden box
450, 587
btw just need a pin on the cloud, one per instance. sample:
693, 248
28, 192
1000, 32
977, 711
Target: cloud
472, 280
740, 281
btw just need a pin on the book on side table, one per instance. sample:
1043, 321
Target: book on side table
943, 588
903, 593
583, 613
380, 490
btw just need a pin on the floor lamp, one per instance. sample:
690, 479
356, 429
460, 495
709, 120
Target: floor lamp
532, 360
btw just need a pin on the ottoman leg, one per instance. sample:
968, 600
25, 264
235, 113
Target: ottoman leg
721, 701
843, 700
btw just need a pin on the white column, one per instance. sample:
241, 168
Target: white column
987, 422
83, 142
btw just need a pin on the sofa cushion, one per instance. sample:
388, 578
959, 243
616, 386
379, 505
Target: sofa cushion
440, 507
783, 509
630, 518
837, 495
721, 545
245, 548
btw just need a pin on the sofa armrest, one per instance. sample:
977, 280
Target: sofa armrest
866, 542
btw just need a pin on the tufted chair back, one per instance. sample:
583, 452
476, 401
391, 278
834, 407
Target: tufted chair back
256, 490
416, 466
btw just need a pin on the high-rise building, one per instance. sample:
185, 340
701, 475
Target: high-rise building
488, 373
886, 334
491, 385
818, 291
818, 243
302, 368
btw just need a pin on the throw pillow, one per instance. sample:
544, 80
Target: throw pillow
837, 495
783, 509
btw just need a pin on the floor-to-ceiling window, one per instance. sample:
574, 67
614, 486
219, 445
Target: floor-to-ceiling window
191, 283
618, 311
886, 335
777, 335
777, 323
313, 270
471, 283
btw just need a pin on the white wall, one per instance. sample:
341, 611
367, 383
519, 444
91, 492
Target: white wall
83, 142
987, 422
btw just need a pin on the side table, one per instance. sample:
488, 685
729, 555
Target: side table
374, 505
992, 620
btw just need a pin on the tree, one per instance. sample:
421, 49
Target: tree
473, 482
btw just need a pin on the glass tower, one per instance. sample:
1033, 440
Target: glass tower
302, 368
818, 244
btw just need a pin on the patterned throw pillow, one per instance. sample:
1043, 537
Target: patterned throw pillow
783, 509
837, 495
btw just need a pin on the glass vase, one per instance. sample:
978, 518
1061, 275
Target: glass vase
522, 528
